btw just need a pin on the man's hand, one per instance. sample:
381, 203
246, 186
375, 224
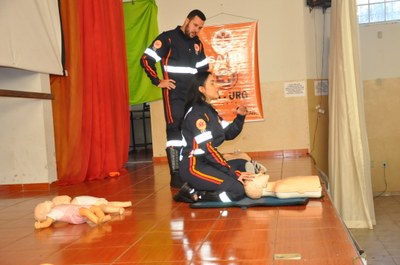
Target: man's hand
167, 83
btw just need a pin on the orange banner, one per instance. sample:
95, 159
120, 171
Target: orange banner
233, 56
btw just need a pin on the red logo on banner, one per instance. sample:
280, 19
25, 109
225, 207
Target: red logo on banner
233, 56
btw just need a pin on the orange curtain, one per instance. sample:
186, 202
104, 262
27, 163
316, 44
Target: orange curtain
91, 109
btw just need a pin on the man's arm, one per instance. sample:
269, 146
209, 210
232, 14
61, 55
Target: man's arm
152, 55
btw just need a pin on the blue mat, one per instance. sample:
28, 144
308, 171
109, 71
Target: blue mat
247, 202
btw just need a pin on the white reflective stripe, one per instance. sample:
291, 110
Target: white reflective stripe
202, 63
203, 137
188, 111
177, 143
152, 54
224, 124
197, 152
179, 69
184, 143
223, 197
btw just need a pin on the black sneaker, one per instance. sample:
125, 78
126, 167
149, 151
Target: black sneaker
186, 194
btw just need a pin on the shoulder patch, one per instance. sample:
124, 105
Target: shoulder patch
157, 44
201, 124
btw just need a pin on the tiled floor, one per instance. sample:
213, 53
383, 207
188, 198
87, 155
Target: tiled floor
382, 244
157, 230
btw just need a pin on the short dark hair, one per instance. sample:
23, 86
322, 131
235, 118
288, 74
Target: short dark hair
198, 13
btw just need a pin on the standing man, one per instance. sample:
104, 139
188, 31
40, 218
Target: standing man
182, 55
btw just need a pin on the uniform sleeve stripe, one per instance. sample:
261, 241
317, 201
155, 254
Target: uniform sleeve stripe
148, 67
205, 136
202, 63
152, 54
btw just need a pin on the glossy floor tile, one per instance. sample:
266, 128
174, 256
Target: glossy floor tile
157, 230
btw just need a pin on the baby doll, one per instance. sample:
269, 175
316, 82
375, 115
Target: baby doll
290, 187
106, 206
46, 213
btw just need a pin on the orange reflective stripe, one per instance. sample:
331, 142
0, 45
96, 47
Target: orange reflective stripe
147, 66
168, 55
168, 112
199, 174
202, 175
217, 156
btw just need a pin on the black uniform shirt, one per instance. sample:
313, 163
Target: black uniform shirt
180, 57
203, 130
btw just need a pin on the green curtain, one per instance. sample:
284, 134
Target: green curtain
141, 28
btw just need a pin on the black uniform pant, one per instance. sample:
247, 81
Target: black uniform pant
174, 104
205, 177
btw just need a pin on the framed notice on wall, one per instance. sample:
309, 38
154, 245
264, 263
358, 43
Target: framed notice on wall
233, 56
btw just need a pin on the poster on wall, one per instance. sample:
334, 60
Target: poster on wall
233, 57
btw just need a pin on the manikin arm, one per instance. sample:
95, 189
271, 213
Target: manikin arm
120, 204
94, 214
46, 223
112, 209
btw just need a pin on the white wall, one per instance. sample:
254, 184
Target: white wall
280, 39
26, 135
380, 56
380, 69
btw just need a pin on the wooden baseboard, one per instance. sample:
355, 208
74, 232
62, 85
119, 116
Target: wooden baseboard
160, 159
26, 187
257, 155
279, 153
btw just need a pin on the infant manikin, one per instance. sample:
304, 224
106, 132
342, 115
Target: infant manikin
46, 213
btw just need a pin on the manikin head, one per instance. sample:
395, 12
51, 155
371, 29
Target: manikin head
254, 188
42, 209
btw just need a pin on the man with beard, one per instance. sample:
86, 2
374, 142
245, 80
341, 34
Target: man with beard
182, 55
